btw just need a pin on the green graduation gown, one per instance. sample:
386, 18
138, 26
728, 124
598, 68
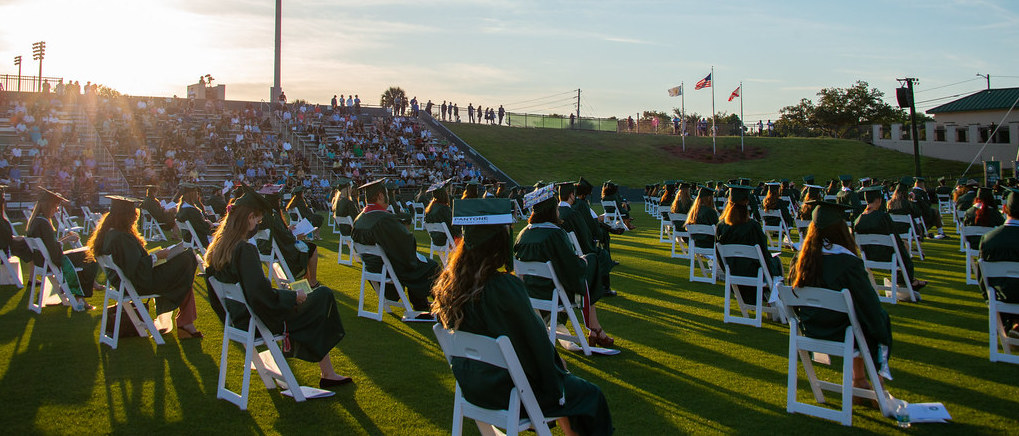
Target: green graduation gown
314, 326
543, 242
1002, 244
624, 207
598, 230
748, 233
787, 218
965, 201
441, 213
297, 260
386, 230
11, 245
993, 218
572, 221
306, 212
195, 217
846, 271
503, 309
154, 208
707, 216
41, 228
851, 200
171, 281
217, 203
880, 223
344, 207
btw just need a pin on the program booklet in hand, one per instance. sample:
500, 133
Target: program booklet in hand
303, 227
301, 285
172, 251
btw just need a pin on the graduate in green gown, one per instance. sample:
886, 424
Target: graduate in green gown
40, 226
375, 225
311, 320
572, 221
703, 212
1002, 245
151, 205
11, 245
983, 213
300, 255
829, 259
683, 201
191, 210
848, 198
964, 194
599, 230
297, 202
735, 226
610, 192
117, 235
875, 221
773, 201
438, 211
928, 208
343, 204
216, 200
543, 240
475, 295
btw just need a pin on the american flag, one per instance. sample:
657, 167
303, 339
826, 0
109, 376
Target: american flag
735, 93
704, 83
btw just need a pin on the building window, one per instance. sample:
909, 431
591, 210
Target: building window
960, 135
939, 133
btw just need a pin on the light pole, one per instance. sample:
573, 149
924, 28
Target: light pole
988, 77
275, 91
38, 52
17, 61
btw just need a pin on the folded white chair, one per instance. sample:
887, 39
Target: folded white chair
760, 281
127, 301
853, 344
379, 280
344, 241
777, 234
497, 352
419, 215
560, 303
890, 291
10, 271
997, 331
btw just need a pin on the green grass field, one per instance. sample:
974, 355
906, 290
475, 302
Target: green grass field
529, 155
681, 370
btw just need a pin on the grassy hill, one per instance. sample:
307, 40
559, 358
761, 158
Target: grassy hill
529, 155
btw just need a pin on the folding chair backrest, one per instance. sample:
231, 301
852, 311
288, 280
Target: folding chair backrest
971, 231
752, 252
997, 330
497, 352
536, 269
576, 243
191, 241
677, 218
702, 230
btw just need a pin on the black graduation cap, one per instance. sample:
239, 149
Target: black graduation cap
564, 189
252, 199
845, 178
47, 194
1012, 201
872, 193
739, 192
808, 179
584, 187
438, 185
120, 203
342, 182
743, 181
371, 189
482, 218
826, 213
705, 192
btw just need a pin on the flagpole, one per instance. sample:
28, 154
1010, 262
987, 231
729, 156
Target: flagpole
713, 82
741, 116
682, 116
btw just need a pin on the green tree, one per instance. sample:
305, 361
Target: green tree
390, 95
838, 112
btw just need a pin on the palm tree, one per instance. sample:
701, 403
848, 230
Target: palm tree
390, 96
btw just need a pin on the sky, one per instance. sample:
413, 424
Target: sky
530, 56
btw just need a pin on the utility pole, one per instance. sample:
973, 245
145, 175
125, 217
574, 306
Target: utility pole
909, 81
988, 77
17, 61
38, 52
275, 92
578, 107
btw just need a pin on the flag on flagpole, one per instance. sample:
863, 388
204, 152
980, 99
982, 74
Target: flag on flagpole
735, 93
675, 92
704, 83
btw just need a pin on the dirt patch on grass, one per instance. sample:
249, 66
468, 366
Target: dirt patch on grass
724, 155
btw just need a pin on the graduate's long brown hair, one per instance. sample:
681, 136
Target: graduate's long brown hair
463, 279
806, 268
125, 220
233, 231
702, 201
771, 201
736, 212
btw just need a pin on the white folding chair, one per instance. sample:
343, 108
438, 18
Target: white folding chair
560, 303
576, 243
761, 280
945, 204
191, 241
278, 271
419, 215
910, 237
889, 291
344, 241
997, 331
700, 255
209, 211
53, 289
613, 217
853, 344
127, 300
777, 234
295, 215
497, 352
65, 223
972, 253
90, 220
270, 364
801, 232
10, 273
150, 228
442, 251
679, 236
959, 216
664, 225
379, 280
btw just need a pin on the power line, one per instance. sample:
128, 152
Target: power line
947, 97
540, 98
950, 84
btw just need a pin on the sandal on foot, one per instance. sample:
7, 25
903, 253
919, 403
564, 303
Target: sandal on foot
598, 338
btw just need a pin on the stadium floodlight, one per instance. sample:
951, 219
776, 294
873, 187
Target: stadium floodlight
39, 52
17, 61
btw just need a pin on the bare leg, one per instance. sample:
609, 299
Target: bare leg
326, 368
312, 274
564, 423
